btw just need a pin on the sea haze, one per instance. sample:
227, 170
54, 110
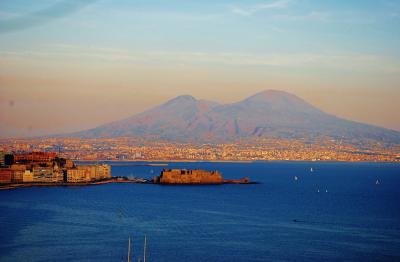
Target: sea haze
281, 219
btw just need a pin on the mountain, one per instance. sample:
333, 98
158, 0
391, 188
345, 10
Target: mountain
270, 113
171, 120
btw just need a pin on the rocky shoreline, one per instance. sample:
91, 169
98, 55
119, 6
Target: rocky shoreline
118, 180
93, 183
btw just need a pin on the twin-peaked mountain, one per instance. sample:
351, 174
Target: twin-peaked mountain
269, 113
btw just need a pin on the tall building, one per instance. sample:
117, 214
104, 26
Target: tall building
104, 171
91, 171
77, 176
96, 172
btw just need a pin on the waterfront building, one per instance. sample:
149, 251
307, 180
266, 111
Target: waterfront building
58, 176
46, 175
96, 172
77, 176
91, 171
104, 171
5, 175
27, 176
17, 176
17, 172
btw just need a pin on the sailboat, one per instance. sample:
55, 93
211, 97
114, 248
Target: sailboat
144, 248
311, 170
129, 249
377, 182
296, 178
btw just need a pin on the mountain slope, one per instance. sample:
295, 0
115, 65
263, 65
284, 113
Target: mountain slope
172, 120
269, 113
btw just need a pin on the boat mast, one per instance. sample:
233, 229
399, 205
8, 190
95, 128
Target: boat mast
144, 249
129, 249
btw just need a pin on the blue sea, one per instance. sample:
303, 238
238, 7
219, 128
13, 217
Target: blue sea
336, 213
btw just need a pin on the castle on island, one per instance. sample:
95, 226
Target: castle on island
195, 177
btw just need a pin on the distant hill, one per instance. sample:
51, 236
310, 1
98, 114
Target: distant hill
270, 113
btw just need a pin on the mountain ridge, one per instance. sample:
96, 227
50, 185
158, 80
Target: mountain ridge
269, 113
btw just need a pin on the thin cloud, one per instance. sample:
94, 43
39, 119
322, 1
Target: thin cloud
343, 62
312, 16
251, 10
43, 16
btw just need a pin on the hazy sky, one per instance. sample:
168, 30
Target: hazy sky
71, 65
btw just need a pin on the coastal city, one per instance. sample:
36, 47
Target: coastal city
193, 131
47, 168
139, 149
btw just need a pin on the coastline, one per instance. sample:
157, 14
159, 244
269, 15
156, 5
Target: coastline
166, 161
115, 180
65, 184
170, 161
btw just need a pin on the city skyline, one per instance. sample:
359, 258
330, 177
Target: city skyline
68, 66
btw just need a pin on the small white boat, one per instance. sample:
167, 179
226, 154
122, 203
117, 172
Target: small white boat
326, 191
377, 182
296, 178
311, 170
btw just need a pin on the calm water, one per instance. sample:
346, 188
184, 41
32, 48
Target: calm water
356, 220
